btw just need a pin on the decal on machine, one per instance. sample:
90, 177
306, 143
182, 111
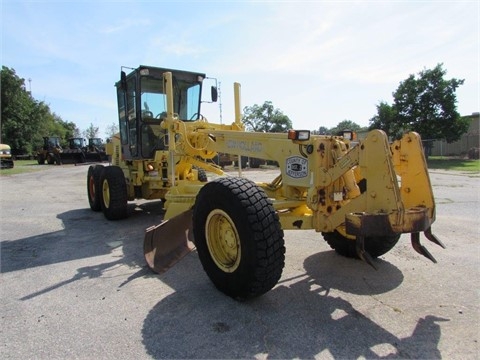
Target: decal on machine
252, 146
297, 167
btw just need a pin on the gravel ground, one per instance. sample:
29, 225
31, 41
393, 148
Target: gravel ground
75, 286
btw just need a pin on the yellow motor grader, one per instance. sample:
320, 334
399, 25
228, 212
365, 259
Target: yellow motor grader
361, 196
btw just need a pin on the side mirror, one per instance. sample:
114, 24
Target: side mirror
214, 93
123, 80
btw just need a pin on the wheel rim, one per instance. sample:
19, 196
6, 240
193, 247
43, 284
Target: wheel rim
91, 188
223, 241
343, 231
106, 193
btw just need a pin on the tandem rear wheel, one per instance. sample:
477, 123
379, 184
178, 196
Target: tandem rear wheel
113, 193
93, 187
107, 191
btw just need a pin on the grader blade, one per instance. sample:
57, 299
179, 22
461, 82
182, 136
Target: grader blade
167, 243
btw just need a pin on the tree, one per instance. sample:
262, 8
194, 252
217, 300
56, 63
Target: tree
265, 118
111, 130
344, 125
386, 120
91, 132
17, 126
427, 104
24, 120
322, 130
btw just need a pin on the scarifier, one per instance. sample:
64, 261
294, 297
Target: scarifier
360, 195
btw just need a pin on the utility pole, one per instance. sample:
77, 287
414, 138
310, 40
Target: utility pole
220, 100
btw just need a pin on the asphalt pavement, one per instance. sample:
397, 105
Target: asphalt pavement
74, 285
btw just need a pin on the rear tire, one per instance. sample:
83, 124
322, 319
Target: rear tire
238, 237
375, 245
94, 188
243, 162
113, 193
254, 163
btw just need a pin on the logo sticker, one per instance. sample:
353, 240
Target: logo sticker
297, 167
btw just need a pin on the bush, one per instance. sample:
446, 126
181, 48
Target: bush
473, 153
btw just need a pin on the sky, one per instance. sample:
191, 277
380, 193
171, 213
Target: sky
319, 62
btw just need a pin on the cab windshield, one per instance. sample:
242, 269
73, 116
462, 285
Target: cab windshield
96, 142
153, 99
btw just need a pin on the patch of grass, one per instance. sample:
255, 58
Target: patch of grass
450, 163
433, 162
23, 166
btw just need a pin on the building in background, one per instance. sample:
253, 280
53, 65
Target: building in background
468, 141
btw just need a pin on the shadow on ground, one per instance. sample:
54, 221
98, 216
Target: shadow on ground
297, 319
85, 234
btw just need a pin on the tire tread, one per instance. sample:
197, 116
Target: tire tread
267, 236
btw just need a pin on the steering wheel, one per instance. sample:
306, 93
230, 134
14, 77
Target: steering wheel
146, 113
161, 115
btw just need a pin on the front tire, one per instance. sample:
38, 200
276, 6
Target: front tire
238, 237
113, 193
202, 175
375, 245
50, 159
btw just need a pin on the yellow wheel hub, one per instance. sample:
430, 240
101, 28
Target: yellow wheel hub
223, 241
343, 231
106, 194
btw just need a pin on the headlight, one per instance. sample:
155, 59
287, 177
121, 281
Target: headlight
301, 135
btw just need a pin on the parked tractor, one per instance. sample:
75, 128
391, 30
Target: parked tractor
95, 150
79, 152
360, 198
74, 153
6, 161
50, 152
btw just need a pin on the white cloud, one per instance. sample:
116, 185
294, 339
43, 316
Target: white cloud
319, 62
124, 25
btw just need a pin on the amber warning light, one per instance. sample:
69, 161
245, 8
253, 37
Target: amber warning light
299, 134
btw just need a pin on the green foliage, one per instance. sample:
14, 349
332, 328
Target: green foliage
265, 118
386, 120
344, 125
322, 130
425, 104
25, 120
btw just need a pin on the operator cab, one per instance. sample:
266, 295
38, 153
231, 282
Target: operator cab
51, 142
96, 142
76, 143
142, 105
